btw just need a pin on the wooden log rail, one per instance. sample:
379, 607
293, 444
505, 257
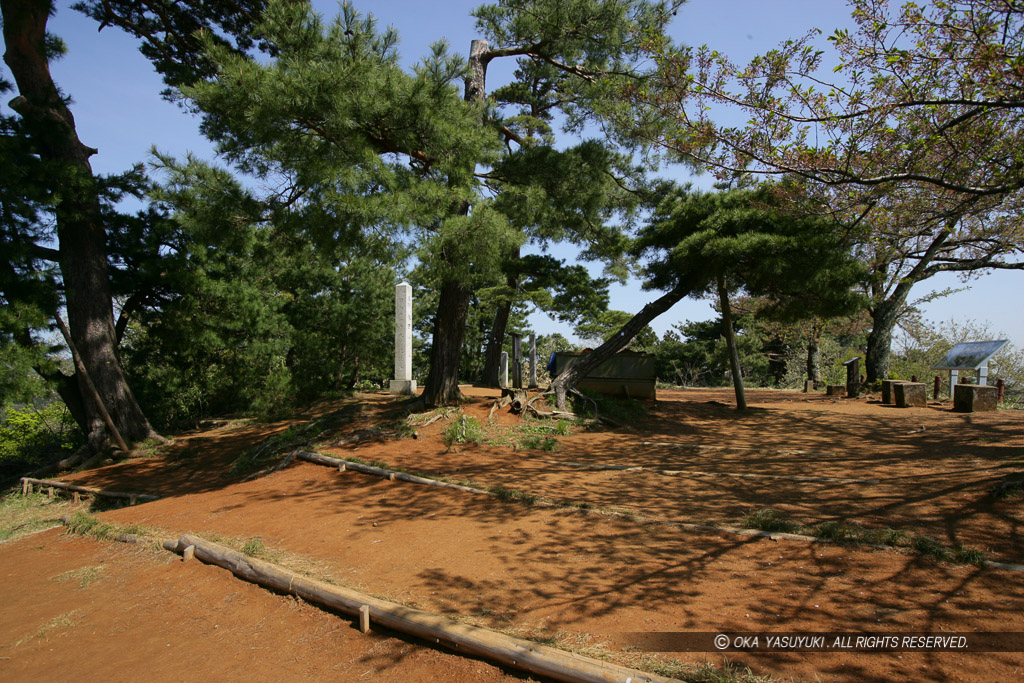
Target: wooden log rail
463, 638
320, 459
28, 484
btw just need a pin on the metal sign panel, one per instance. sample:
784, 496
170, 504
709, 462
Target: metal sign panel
969, 355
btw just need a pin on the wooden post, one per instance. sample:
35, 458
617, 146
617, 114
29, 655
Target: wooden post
364, 618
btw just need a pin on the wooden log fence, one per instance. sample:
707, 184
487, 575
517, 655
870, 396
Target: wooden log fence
28, 485
321, 459
462, 638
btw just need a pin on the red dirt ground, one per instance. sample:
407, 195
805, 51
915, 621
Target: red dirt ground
544, 570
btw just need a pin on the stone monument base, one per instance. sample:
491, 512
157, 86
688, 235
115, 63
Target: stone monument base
974, 398
910, 395
406, 387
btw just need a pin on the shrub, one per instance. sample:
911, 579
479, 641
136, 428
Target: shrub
30, 436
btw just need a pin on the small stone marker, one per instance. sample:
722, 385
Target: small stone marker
852, 377
503, 369
936, 387
838, 390
910, 395
364, 618
974, 398
809, 386
188, 554
403, 383
1001, 388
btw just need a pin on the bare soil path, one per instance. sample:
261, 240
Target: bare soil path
544, 571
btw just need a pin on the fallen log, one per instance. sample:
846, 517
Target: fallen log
28, 482
321, 459
463, 638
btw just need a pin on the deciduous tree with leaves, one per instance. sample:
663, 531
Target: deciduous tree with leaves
918, 134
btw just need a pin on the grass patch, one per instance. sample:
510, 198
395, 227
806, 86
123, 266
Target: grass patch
84, 524
966, 555
254, 547
513, 495
884, 536
463, 430
84, 575
767, 519
533, 442
929, 547
21, 515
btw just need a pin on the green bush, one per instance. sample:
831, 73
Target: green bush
31, 436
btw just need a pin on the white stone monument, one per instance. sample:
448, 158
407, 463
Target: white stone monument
503, 369
403, 383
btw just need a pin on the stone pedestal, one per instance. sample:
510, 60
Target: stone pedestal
836, 390
887, 390
910, 395
974, 398
853, 377
403, 383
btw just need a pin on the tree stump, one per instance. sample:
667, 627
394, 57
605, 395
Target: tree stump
515, 399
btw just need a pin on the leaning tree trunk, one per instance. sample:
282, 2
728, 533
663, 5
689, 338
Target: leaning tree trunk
80, 231
568, 380
730, 342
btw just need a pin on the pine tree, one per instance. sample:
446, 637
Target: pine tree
723, 242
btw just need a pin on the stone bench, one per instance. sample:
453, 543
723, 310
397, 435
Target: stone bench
910, 394
974, 398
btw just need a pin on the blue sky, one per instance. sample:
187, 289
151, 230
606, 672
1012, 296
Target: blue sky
118, 110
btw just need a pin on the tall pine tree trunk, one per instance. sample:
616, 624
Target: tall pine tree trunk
80, 230
730, 342
442, 384
496, 338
